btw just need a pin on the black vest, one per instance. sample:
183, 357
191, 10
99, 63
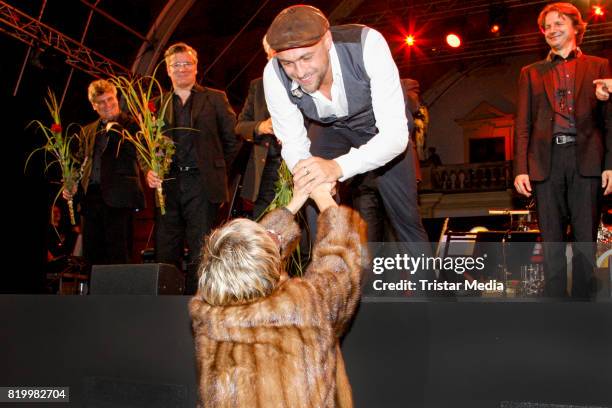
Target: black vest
348, 41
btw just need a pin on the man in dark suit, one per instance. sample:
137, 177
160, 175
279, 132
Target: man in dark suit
110, 189
255, 125
201, 123
562, 147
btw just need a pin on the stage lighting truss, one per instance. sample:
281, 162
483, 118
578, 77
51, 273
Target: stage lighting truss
32, 32
493, 46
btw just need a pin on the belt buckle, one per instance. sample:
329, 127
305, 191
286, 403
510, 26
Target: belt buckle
563, 139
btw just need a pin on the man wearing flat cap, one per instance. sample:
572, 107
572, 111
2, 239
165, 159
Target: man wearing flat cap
344, 82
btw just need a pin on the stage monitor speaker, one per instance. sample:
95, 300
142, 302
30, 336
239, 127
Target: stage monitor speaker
137, 279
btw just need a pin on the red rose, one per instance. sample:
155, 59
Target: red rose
56, 128
152, 107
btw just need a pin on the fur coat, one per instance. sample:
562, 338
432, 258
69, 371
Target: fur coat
282, 350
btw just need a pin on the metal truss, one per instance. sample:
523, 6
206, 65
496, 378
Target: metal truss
32, 32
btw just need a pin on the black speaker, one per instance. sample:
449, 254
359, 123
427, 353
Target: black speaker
137, 279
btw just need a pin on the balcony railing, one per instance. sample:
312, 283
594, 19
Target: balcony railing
467, 177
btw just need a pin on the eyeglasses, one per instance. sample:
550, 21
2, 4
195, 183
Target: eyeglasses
178, 65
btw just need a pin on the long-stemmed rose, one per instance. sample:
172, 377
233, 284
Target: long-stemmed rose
59, 146
154, 148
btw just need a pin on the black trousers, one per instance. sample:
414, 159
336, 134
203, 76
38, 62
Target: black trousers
390, 189
107, 231
567, 198
390, 193
189, 218
387, 193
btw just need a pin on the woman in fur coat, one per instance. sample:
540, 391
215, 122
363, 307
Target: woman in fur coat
264, 339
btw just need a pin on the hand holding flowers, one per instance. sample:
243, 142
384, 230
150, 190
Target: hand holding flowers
154, 148
60, 148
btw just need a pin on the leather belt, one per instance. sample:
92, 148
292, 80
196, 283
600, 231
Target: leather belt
183, 169
564, 139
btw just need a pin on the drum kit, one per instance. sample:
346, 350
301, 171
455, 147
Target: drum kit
513, 256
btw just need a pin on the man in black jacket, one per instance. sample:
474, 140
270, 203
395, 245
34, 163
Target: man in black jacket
201, 123
562, 147
110, 189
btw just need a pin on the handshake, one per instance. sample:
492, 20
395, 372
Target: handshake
321, 195
603, 88
315, 178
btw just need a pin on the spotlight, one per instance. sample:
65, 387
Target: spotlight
453, 40
598, 11
410, 40
498, 18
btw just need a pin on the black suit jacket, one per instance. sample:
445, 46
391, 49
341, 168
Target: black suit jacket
119, 174
253, 113
534, 121
216, 144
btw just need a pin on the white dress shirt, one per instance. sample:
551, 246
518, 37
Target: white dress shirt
387, 104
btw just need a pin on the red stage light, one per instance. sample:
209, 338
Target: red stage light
453, 40
598, 11
410, 40
495, 28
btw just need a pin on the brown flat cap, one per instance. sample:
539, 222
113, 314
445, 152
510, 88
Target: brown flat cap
295, 27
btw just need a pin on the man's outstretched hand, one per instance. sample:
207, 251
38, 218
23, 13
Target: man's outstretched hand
313, 171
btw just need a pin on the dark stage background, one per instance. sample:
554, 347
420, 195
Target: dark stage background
227, 35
